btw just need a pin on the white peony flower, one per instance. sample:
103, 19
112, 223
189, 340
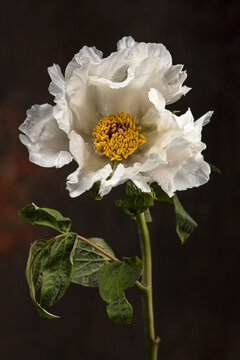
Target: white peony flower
110, 117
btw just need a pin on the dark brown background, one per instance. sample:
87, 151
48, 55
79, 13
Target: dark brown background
196, 286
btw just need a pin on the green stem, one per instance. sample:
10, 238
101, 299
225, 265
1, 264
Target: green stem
151, 341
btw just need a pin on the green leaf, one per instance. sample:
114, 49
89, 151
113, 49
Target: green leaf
87, 261
160, 195
114, 278
135, 200
176, 111
58, 270
95, 190
185, 224
38, 256
214, 168
44, 216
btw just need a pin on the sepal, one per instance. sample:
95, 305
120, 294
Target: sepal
214, 169
148, 216
135, 201
95, 190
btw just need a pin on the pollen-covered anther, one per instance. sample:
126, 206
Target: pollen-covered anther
117, 136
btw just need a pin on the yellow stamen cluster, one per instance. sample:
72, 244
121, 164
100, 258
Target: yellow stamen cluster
117, 136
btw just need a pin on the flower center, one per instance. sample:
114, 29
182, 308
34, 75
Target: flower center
117, 136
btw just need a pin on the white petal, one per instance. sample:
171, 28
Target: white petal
157, 99
83, 101
111, 101
141, 182
173, 80
123, 80
70, 68
185, 168
115, 78
112, 97
46, 143
193, 173
83, 179
192, 129
161, 128
137, 172
125, 42
63, 115
142, 51
79, 149
88, 54
205, 119
179, 137
116, 70
185, 121
173, 72
85, 56
154, 69
57, 86
150, 120
61, 110
118, 83
92, 166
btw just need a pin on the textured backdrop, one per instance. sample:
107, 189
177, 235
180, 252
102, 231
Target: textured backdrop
196, 286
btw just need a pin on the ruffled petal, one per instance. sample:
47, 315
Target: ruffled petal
189, 173
204, 120
121, 175
152, 64
185, 167
193, 129
127, 42
173, 84
154, 69
61, 110
84, 178
46, 143
193, 173
143, 51
124, 79
179, 138
121, 82
88, 54
85, 56
57, 86
134, 169
116, 70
